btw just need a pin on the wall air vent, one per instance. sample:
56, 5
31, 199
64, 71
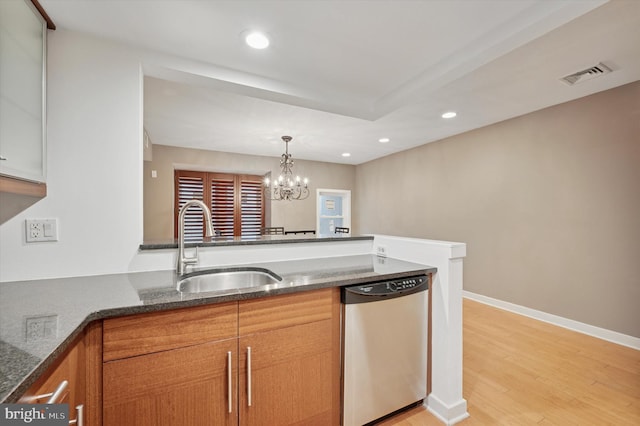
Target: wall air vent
588, 74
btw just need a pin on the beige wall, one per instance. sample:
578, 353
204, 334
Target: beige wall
548, 204
158, 192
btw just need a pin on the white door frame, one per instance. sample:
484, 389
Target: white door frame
346, 205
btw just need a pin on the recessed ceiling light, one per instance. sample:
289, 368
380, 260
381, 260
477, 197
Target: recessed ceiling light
449, 114
346, 154
257, 40
384, 140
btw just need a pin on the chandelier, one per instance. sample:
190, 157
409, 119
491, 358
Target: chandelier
286, 187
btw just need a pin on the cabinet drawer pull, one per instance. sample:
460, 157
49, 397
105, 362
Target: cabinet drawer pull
249, 376
53, 396
3, 158
229, 381
79, 420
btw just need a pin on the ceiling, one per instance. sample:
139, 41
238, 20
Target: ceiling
340, 75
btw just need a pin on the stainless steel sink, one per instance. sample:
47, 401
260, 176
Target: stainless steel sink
226, 279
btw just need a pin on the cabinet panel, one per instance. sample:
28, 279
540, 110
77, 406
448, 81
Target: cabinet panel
72, 367
93, 374
69, 367
292, 376
275, 312
160, 331
186, 386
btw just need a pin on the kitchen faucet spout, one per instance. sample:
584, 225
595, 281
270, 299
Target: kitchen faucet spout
184, 260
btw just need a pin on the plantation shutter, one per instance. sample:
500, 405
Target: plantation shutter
190, 186
222, 203
251, 206
236, 203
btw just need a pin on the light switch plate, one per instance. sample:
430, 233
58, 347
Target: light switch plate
38, 230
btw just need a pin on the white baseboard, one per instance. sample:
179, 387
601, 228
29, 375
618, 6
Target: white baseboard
449, 415
601, 333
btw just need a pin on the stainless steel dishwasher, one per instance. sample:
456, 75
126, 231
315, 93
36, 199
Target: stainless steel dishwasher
384, 348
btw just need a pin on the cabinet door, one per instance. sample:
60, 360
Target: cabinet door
289, 378
22, 93
70, 367
295, 359
186, 386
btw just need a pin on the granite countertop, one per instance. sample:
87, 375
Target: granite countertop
255, 240
39, 319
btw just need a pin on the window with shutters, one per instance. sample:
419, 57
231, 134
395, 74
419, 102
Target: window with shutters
236, 203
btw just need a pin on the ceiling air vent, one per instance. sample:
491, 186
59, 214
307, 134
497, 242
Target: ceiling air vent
588, 74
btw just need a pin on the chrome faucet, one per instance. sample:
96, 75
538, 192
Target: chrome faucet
184, 260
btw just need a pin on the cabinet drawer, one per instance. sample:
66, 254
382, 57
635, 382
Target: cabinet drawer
275, 312
141, 334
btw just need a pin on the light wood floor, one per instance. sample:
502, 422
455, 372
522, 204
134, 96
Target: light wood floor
519, 371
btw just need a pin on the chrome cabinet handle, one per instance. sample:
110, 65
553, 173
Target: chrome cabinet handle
229, 381
249, 376
56, 394
3, 158
53, 396
79, 420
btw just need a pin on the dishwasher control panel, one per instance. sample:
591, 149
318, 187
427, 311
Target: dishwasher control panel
405, 284
384, 289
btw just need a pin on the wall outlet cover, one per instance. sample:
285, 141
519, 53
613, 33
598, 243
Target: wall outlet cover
381, 251
38, 230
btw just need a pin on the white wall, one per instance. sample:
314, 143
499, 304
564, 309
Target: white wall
94, 179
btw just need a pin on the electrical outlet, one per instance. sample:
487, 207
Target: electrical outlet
41, 230
35, 230
381, 251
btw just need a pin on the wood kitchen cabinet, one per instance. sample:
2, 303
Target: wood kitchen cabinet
23, 41
77, 367
269, 361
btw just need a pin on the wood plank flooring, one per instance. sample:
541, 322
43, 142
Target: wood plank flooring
520, 371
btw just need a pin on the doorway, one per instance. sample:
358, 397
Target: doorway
333, 209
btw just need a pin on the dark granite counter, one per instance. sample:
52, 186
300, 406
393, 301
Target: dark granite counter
39, 319
258, 240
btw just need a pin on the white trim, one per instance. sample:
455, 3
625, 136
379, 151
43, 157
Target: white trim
580, 327
446, 414
346, 206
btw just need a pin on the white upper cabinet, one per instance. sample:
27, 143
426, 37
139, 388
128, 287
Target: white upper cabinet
23, 35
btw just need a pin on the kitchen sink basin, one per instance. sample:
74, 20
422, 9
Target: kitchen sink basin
226, 279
